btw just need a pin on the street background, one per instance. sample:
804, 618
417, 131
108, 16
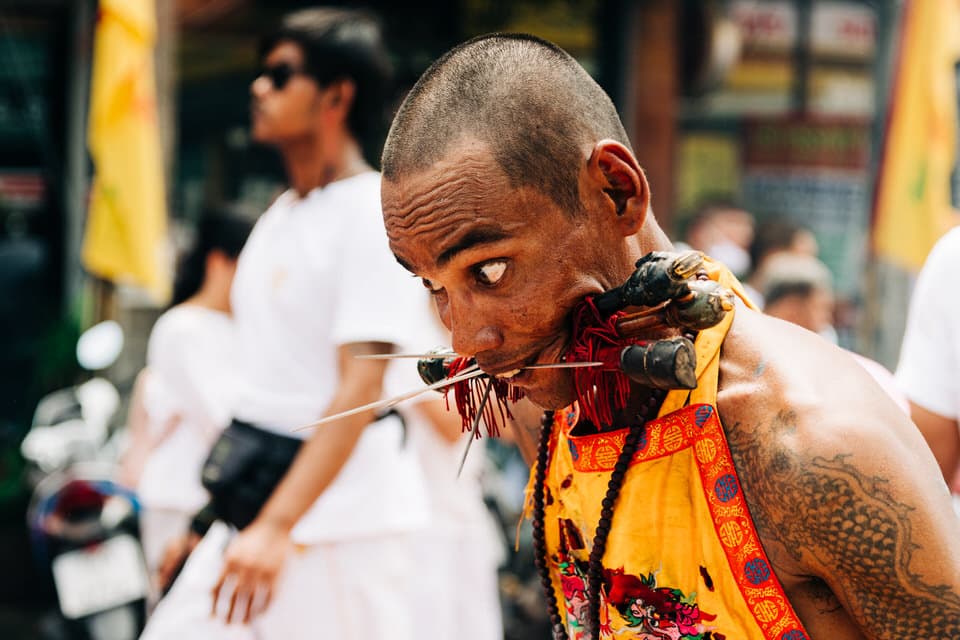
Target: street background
805, 110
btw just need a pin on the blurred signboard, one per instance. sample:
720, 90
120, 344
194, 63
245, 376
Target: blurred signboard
815, 173
762, 80
708, 164
22, 189
831, 203
843, 30
806, 143
769, 26
841, 92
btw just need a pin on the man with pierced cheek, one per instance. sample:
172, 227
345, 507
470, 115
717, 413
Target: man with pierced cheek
784, 497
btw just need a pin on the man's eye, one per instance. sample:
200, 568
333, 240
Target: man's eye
490, 273
432, 287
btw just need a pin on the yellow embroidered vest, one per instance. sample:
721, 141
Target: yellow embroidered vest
683, 560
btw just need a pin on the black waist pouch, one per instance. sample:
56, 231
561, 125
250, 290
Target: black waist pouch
246, 464
243, 468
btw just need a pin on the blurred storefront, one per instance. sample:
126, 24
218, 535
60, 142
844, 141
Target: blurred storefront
35, 135
43, 64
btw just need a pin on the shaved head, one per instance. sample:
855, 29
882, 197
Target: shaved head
535, 107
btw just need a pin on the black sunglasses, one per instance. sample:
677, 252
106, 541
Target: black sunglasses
279, 74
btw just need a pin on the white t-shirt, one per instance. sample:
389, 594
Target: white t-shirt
191, 362
315, 274
929, 367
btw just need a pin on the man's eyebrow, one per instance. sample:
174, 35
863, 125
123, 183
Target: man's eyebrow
471, 239
404, 264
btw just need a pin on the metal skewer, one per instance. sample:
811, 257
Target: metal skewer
391, 356
425, 356
466, 374
476, 425
562, 365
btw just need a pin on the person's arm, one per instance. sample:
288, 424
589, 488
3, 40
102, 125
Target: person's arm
445, 422
139, 442
942, 435
862, 507
253, 560
929, 366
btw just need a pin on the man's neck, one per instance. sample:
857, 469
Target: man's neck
316, 162
211, 297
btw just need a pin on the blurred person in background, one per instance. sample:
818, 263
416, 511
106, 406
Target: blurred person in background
798, 288
182, 399
929, 368
314, 530
773, 237
724, 231
458, 555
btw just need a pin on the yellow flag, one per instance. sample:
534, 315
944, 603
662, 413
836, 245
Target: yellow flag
913, 190
126, 238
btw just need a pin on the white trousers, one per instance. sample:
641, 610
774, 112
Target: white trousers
158, 527
353, 590
457, 593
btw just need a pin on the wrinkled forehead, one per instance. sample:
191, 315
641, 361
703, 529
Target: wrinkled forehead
457, 182
284, 51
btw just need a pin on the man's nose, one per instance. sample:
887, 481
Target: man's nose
472, 334
260, 86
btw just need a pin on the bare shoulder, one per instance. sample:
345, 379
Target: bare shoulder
839, 482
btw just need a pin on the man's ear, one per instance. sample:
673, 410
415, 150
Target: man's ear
613, 168
340, 95
217, 259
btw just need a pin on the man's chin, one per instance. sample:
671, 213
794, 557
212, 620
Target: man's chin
551, 397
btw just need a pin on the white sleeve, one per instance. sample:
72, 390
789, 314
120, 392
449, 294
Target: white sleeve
377, 300
192, 371
428, 333
928, 370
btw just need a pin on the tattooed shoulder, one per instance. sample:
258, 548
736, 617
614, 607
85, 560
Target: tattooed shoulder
865, 534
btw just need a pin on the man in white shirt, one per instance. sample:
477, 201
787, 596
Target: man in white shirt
929, 367
329, 552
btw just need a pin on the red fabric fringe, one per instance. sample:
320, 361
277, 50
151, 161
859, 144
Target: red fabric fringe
468, 394
601, 391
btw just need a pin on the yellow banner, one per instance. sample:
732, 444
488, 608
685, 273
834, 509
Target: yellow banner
126, 234
913, 193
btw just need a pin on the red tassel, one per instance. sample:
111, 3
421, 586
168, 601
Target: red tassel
601, 391
468, 394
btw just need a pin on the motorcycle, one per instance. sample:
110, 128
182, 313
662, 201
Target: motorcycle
83, 526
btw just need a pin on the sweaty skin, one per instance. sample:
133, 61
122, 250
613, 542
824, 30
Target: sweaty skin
847, 499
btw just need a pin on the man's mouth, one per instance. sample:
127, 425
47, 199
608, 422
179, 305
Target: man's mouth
521, 380
515, 370
508, 371
517, 373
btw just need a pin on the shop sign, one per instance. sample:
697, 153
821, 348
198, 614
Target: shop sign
766, 26
807, 143
843, 29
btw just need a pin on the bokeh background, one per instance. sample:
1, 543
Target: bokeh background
837, 114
